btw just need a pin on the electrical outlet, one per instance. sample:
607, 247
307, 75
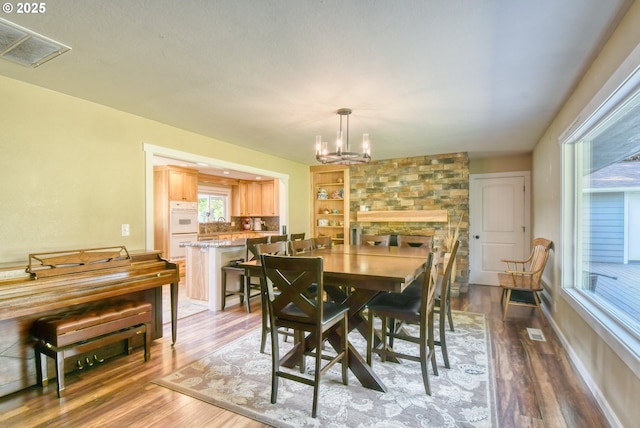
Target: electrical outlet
125, 230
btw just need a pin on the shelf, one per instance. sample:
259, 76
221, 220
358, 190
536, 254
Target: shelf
438, 216
335, 180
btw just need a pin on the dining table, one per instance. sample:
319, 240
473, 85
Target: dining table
353, 275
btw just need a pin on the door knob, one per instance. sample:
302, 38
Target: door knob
477, 236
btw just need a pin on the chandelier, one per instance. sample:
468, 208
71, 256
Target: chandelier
343, 154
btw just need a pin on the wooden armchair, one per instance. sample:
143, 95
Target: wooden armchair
522, 279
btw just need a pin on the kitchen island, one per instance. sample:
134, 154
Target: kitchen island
205, 260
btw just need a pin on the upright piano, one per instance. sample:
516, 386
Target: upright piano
55, 282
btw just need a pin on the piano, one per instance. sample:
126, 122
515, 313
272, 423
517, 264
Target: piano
55, 282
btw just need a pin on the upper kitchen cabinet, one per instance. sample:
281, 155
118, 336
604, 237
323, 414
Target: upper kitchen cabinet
180, 183
270, 199
256, 199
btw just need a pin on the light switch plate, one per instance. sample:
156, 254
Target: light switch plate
125, 230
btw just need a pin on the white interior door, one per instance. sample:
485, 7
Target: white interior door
499, 223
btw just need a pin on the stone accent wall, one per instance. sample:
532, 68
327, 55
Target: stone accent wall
438, 182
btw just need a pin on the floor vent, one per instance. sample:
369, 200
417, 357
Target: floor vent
536, 334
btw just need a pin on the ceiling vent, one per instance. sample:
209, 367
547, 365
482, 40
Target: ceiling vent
25, 47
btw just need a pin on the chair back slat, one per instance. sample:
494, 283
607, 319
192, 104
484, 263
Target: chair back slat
415, 241
251, 243
539, 256
300, 246
277, 238
375, 240
320, 242
296, 236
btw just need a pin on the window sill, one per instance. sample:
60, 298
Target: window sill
623, 342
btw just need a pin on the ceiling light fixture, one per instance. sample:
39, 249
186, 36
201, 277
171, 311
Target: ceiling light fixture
343, 155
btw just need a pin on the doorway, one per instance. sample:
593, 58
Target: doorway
499, 226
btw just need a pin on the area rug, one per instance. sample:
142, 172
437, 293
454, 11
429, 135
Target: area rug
237, 377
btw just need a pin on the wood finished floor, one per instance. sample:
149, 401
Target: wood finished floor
536, 385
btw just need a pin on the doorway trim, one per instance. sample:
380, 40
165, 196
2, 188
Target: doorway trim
153, 150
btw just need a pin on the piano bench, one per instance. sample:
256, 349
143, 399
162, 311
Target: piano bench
72, 333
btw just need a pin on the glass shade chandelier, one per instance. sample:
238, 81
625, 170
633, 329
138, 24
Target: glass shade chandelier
343, 154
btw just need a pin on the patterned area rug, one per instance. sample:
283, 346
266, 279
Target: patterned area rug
237, 377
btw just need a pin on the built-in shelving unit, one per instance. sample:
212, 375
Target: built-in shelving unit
330, 204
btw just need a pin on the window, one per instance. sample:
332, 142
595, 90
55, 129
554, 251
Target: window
213, 204
601, 199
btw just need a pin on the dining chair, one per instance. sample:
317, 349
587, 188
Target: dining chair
320, 242
407, 308
376, 240
292, 308
441, 306
246, 286
415, 241
521, 280
300, 246
277, 238
296, 236
275, 248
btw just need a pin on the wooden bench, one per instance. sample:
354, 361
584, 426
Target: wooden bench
72, 333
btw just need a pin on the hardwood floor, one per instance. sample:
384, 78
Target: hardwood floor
536, 385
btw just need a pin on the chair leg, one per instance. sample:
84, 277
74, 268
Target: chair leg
535, 297
247, 293
506, 303
449, 313
316, 375
345, 350
265, 319
224, 288
370, 338
275, 366
423, 363
443, 338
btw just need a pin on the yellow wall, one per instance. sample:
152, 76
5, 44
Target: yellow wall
73, 171
609, 374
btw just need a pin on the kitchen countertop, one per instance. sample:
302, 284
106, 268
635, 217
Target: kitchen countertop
215, 243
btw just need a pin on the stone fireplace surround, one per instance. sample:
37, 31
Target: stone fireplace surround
435, 182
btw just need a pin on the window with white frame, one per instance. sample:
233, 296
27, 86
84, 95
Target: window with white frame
601, 200
213, 204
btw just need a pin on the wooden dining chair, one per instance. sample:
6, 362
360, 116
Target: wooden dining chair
248, 289
291, 307
376, 240
277, 238
407, 308
296, 236
442, 306
320, 242
415, 241
276, 248
521, 281
301, 246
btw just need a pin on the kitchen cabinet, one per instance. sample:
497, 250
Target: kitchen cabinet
183, 184
170, 183
270, 200
256, 199
330, 202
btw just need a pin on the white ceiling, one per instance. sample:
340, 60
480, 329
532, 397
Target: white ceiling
422, 76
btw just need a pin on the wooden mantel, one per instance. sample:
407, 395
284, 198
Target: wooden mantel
403, 216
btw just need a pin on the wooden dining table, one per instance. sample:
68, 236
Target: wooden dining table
353, 275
